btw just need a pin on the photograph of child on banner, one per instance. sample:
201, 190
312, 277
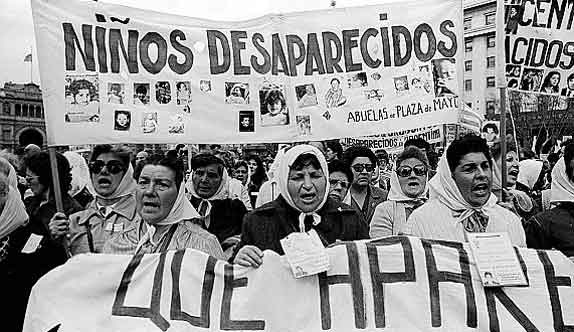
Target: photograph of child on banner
205, 86
306, 95
115, 93
274, 110
141, 94
82, 98
334, 96
163, 92
149, 123
246, 121
551, 83
568, 91
236, 93
184, 95
531, 79
122, 120
444, 72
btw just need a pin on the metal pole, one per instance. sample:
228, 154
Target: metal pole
502, 139
57, 191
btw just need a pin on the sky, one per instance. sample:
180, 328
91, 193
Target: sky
17, 30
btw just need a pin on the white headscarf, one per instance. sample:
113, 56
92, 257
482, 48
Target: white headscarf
444, 189
126, 187
80, 172
522, 198
529, 172
181, 210
282, 177
562, 189
12, 176
14, 213
397, 194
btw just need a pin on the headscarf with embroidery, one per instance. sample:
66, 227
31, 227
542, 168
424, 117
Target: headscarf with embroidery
180, 211
444, 189
80, 172
562, 189
126, 187
282, 177
530, 172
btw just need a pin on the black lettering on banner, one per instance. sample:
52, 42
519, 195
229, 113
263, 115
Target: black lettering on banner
553, 282
386, 46
131, 56
400, 58
213, 36
278, 56
264, 68
553, 63
226, 324
314, 56
207, 289
380, 278
153, 312
436, 277
349, 43
237, 45
419, 31
365, 51
332, 61
101, 46
295, 60
568, 51
180, 68
515, 312
353, 279
145, 43
71, 42
535, 51
522, 264
515, 53
442, 48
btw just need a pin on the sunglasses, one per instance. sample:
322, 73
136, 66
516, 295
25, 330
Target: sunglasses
406, 171
113, 166
360, 167
335, 182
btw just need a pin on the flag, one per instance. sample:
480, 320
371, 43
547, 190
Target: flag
28, 58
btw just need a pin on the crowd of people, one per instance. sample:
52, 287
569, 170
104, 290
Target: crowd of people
235, 207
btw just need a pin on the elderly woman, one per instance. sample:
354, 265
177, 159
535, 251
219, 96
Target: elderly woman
113, 210
302, 205
515, 200
408, 192
553, 229
461, 200
164, 215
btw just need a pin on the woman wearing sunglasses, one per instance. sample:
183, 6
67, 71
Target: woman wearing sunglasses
408, 192
461, 200
111, 178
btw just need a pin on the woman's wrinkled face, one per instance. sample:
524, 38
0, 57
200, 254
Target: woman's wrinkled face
241, 174
252, 166
307, 187
156, 193
339, 185
473, 177
512, 168
206, 180
412, 183
34, 183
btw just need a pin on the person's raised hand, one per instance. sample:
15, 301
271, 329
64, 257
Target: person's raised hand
249, 256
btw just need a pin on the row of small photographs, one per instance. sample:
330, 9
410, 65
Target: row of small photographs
534, 79
149, 122
247, 123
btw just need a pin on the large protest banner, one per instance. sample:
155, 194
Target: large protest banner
390, 284
539, 53
111, 73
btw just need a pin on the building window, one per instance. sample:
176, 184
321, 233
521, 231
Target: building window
490, 41
25, 110
490, 82
6, 134
18, 109
38, 112
489, 19
467, 23
6, 108
42, 113
468, 65
490, 106
468, 45
490, 62
467, 85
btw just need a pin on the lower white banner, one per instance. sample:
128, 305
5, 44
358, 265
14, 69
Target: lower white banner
389, 284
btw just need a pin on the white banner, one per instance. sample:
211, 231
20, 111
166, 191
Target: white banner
111, 73
393, 143
391, 284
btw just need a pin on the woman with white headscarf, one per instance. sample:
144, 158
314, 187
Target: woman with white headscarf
80, 178
554, 229
165, 220
303, 204
461, 201
408, 192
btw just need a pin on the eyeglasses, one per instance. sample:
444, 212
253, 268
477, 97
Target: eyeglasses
335, 182
405, 171
113, 166
31, 177
360, 167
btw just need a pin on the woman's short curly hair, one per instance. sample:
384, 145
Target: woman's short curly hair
39, 164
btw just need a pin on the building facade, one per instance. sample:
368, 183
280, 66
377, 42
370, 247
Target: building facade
479, 84
21, 116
